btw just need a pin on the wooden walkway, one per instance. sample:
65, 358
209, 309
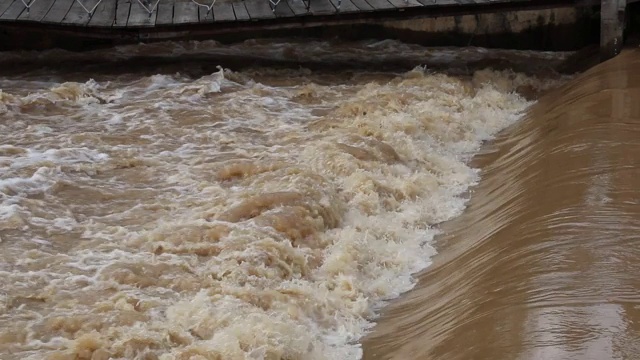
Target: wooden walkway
133, 14
82, 24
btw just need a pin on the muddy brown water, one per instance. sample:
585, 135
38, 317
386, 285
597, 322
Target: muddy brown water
205, 201
544, 262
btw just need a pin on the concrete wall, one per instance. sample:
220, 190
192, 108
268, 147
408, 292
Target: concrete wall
554, 29
551, 29
493, 23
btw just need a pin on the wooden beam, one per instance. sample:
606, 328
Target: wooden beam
222, 12
185, 12
139, 16
4, 5
76, 15
612, 19
165, 13
37, 11
104, 14
58, 11
259, 9
265, 20
14, 11
123, 7
240, 11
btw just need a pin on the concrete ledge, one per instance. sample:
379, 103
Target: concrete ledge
561, 28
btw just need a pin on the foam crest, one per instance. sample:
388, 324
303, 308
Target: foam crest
264, 214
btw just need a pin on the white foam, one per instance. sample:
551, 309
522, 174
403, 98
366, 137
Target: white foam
227, 215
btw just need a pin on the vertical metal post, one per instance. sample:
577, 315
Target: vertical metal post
612, 18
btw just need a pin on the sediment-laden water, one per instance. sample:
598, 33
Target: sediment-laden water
159, 202
544, 263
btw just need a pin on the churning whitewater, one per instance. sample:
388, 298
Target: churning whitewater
263, 213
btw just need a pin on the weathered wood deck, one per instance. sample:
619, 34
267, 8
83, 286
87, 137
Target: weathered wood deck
35, 23
132, 14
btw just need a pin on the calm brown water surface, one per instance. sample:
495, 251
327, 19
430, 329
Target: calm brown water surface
545, 262
196, 201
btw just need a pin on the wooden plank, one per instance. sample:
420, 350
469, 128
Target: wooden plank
283, 10
438, 2
206, 16
37, 11
4, 5
363, 5
223, 12
58, 11
259, 9
76, 15
185, 12
322, 7
165, 13
14, 11
122, 13
240, 11
104, 14
139, 16
442, 2
298, 7
346, 6
405, 3
380, 4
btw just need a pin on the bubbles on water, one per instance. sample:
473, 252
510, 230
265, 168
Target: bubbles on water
263, 214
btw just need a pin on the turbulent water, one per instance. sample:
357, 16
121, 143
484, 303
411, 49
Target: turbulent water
545, 262
166, 209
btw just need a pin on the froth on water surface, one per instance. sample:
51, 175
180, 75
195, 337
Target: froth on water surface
262, 213
544, 263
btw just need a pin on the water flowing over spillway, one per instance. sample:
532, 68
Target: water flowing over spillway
168, 211
544, 263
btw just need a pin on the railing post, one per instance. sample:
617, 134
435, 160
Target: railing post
612, 19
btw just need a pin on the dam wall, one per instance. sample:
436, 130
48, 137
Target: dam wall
556, 29
549, 29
